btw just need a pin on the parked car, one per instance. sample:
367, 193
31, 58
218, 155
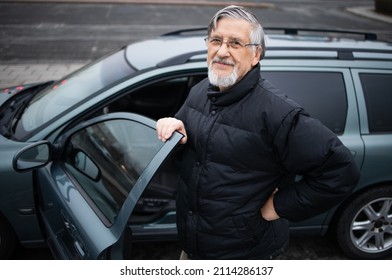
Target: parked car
82, 168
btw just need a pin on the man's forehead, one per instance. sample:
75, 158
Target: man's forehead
229, 35
232, 28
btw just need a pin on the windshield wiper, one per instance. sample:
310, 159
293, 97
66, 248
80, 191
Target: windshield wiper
13, 108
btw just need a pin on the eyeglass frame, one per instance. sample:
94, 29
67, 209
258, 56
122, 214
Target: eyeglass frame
228, 43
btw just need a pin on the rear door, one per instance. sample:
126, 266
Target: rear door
373, 89
327, 94
88, 192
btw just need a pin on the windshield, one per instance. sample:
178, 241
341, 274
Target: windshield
52, 102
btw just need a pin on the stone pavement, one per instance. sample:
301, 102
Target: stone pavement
17, 74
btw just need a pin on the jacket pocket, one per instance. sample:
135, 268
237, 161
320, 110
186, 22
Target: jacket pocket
250, 227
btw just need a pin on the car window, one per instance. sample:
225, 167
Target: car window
157, 99
49, 104
322, 94
108, 158
378, 97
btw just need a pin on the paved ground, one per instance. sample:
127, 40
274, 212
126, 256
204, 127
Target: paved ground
16, 74
300, 248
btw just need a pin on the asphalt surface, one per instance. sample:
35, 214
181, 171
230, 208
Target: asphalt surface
300, 248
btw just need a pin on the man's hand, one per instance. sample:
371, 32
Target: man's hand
166, 126
268, 210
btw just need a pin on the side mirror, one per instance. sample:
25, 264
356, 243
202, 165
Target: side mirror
32, 157
87, 166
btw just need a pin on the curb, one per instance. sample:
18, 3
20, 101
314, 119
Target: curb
370, 12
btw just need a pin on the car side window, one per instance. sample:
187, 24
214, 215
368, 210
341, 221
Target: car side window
158, 99
322, 94
107, 159
378, 97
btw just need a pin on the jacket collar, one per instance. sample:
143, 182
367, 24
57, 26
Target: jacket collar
236, 92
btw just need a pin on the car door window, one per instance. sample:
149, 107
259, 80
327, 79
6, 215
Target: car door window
377, 92
322, 94
108, 158
158, 99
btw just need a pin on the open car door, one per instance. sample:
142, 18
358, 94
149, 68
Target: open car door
88, 190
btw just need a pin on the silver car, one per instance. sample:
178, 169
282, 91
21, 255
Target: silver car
83, 171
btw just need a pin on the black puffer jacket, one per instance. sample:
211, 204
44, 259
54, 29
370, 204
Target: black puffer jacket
242, 143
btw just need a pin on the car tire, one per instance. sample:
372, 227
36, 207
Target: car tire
364, 229
7, 240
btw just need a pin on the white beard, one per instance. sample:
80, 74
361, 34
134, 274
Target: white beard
222, 81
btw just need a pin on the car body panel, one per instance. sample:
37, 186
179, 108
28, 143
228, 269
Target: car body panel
17, 194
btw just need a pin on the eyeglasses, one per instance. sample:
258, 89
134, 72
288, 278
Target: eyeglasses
216, 43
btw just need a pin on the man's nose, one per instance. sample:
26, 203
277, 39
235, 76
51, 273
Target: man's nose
223, 49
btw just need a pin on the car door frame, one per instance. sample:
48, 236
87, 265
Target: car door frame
92, 236
377, 143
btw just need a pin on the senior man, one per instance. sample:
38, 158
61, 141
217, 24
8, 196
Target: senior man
244, 142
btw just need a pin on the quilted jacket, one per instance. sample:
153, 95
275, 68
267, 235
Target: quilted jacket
244, 143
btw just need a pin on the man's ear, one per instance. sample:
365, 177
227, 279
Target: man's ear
257, 54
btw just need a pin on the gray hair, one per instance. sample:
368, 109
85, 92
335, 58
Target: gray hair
238, 12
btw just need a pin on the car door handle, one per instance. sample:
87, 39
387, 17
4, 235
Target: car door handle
71, 229
79, 249
68, 225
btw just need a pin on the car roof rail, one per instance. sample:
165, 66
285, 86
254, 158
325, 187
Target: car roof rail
180, 59
294, 31
287, 30
183, 31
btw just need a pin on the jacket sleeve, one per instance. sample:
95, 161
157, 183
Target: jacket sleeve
329, 173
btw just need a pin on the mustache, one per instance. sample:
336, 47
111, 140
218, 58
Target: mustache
223, 61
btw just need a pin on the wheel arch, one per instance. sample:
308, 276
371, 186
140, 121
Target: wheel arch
365, 234
338, 212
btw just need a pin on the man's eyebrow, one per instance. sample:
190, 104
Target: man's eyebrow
232, 38
236, 38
